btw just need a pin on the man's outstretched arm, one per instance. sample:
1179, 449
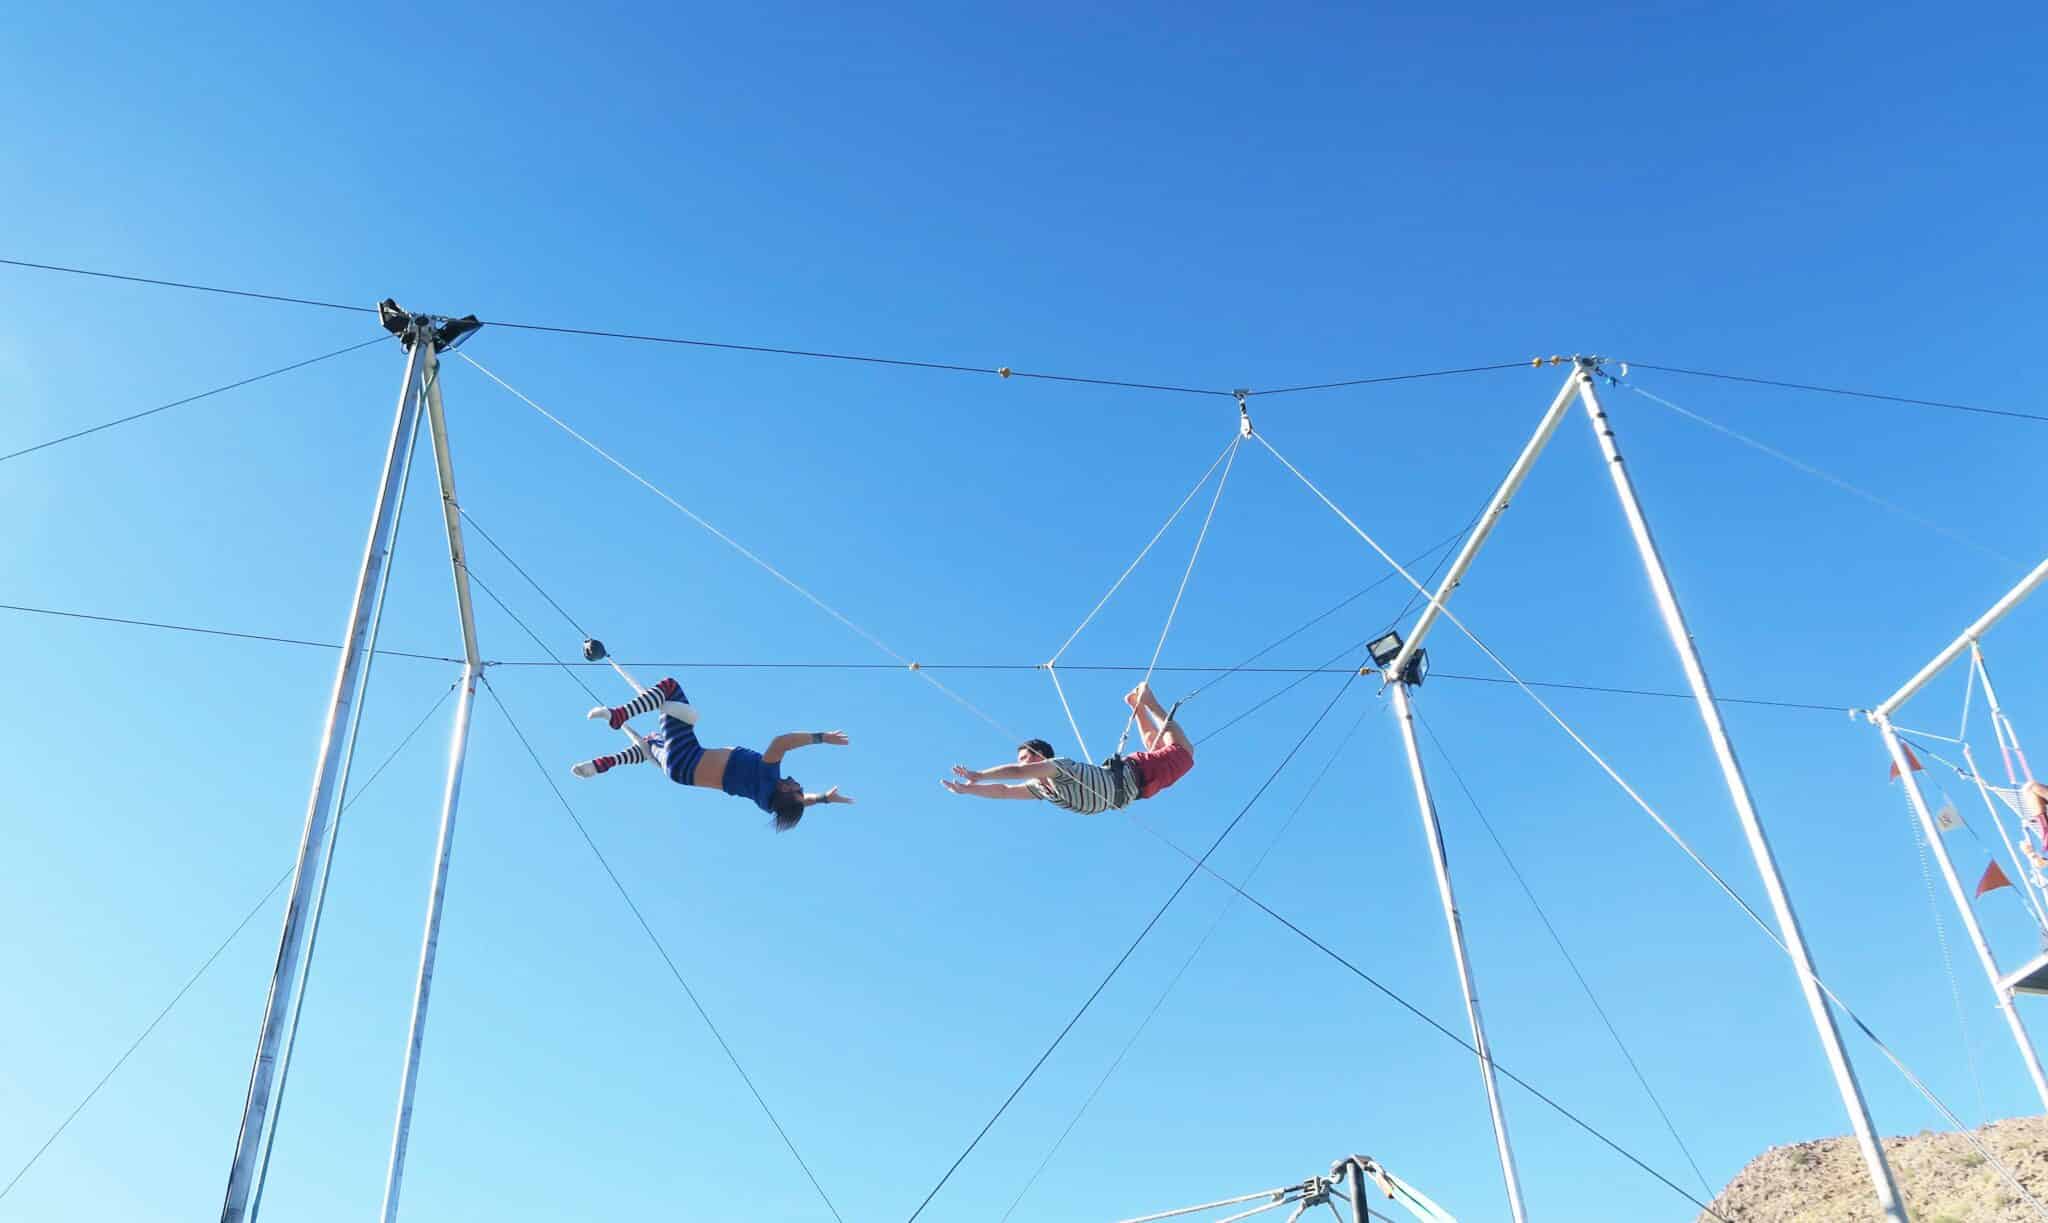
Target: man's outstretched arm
984, 789
1036, 770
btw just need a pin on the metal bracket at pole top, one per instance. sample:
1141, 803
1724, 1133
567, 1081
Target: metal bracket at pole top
1244, 417
446, 334
1596, 367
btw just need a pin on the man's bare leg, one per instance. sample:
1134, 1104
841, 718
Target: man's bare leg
1153, 721
1148, 726
1169, 729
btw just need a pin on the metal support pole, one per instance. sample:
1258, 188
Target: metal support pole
319, 905
314, 842
1354, 1184
1745, 807
458, 745
2005, 604
1505, 494
1433, 834
1932, 833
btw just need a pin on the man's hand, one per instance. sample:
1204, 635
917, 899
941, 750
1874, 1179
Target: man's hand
834, 796
836, 738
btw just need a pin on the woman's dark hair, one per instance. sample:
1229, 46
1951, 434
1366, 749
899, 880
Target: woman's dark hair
788, 806
1040, 746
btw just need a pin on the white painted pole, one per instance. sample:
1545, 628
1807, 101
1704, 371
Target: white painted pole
1964, 906
458, 746
1433, 834
1502, 496
2011, 599
314, 842
1745, 807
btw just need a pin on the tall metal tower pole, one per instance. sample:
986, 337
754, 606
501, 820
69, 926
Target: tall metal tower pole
1887, 1189
314, 843
1433, 832
458, 745
1354, 1184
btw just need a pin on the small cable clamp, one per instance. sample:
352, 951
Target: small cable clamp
1002, 371
914, 666
1244, 416
1596, 367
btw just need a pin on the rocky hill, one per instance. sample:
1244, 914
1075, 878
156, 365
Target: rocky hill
1944, 1179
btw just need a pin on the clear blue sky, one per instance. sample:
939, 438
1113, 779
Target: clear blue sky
1203, 196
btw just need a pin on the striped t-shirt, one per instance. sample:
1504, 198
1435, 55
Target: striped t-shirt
1087, 789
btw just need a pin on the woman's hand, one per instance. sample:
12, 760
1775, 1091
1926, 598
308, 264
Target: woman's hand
965, 774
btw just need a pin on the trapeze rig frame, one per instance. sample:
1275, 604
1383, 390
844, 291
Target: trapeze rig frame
2031, 978
1352, 1173
423, 338
1403, 670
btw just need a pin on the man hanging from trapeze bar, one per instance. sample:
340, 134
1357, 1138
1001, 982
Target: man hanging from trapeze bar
739, 771
1090, 789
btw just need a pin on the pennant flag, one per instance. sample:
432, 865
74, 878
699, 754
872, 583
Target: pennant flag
1911, 760
1947, 819
1993, 879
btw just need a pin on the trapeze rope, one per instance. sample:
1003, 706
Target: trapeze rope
1051, 666
1228, 450
1068, 709
1182, 591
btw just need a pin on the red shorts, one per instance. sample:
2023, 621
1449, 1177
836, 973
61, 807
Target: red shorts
1160, 768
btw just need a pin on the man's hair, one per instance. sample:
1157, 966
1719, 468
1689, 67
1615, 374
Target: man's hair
788, 806
1038, 745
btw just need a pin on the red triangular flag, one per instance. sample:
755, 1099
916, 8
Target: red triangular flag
1993, 879
1911, 759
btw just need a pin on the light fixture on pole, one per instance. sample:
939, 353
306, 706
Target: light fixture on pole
1385, 650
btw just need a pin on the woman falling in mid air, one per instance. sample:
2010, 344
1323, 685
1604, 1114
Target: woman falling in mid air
740, 772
